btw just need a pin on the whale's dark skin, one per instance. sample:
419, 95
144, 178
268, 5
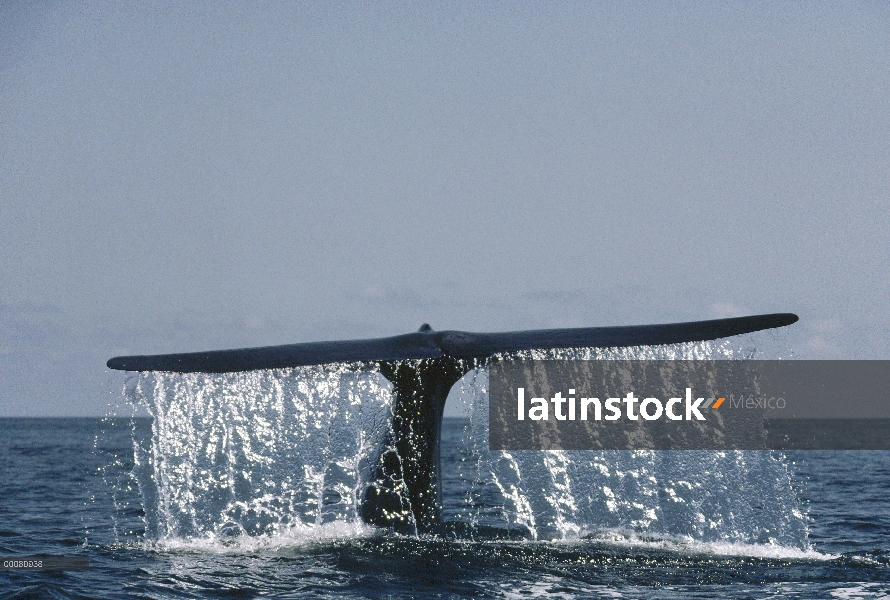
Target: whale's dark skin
404, 492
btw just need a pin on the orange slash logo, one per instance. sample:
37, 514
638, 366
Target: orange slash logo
714, 404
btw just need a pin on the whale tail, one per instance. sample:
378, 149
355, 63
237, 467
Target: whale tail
404, 492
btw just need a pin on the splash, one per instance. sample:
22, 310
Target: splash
725, 499
262, 454
270, 459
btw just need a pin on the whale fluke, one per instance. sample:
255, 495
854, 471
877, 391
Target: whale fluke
427, 343
404, 492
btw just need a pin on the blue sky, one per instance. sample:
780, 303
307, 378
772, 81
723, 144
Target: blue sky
187, 176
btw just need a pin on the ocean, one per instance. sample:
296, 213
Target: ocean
244, 486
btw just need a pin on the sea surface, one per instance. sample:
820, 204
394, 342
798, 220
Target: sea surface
239, 487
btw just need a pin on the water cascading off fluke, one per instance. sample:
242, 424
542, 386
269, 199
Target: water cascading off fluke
403, 488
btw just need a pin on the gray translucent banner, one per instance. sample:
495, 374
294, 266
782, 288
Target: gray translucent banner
689, 405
